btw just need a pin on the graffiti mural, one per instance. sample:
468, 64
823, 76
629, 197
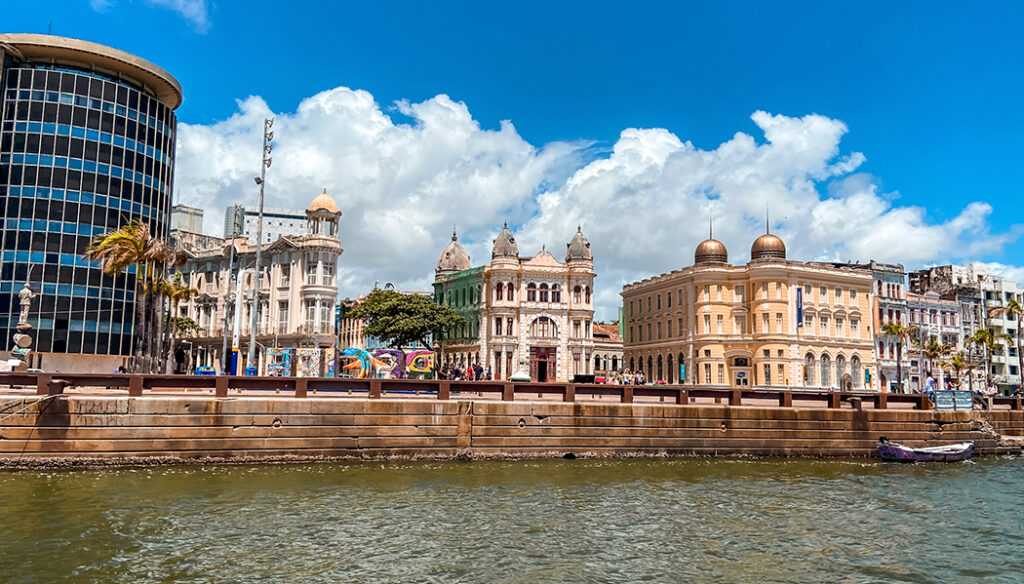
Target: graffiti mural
420, 364
307, 362
360, 364
394, 359
279, 362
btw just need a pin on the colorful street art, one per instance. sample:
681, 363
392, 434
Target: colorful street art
279, 362
420, 364
394, 359
307, 362
362, 365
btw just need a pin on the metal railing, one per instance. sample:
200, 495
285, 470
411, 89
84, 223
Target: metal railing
303, 387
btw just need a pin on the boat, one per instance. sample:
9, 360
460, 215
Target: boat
893, 451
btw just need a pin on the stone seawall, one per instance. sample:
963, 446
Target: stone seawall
77, 429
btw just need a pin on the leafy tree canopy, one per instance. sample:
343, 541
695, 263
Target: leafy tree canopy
400, 320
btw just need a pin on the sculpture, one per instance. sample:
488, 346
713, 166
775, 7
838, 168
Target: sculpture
25, 296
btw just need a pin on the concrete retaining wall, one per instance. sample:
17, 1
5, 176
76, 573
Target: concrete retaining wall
85, 427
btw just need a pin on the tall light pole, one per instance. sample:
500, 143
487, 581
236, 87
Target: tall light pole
233, 369
225, 357
258, 276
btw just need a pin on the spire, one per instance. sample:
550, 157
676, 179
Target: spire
454, 236
506, 223
711, 225
579, 228
767, 224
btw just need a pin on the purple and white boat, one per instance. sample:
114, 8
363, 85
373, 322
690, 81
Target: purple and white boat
895, 452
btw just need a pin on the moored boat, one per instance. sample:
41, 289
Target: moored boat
893, 451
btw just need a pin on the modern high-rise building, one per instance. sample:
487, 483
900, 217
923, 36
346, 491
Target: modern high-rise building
276, 222
86, 144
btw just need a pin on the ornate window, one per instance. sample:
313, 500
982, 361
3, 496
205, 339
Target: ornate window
511, 292
543, 292
809, 370
544, 328
576, 295
826, 371
531, 292
556, 294
499, 291
855, 372
587, 293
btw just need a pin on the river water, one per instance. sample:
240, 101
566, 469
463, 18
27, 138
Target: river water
641, 520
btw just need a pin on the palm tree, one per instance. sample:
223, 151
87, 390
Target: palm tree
133, 246
986, 339
1013, 310
902, 334
176, 292
932, 350
957, 364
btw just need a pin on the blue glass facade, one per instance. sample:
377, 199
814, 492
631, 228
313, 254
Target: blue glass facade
81, 153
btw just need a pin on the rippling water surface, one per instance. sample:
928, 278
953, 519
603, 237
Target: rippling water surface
550, 521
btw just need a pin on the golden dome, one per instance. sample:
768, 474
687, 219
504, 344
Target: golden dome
710, 251
768, 246
323, 202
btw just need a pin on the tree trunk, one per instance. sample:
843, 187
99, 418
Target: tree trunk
139, 332
899, 368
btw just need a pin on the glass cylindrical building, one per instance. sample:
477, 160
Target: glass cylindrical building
86, 144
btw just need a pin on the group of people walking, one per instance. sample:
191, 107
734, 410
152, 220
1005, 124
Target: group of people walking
473, 372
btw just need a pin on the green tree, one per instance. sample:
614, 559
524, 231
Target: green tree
401, 320
133, 245
902, 334
957, 364
987, 339
1014, 311
932, 350
176, 291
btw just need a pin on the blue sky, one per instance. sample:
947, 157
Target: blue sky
927, 91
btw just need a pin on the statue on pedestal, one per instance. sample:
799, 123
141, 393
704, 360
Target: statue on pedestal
25, 296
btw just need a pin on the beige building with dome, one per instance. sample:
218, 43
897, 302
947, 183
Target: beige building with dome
524, 314
772, 322
295, 320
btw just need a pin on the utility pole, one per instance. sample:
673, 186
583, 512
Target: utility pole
233, 370
258, 276
235, 229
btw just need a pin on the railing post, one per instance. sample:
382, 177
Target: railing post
570, 393
374, 389
835, 400
444, 389
1015, 404
785, 399
134, 385
43, 384
681, 397
508, 392
627, 394
881, 401
220, 387
736, 397
301, 385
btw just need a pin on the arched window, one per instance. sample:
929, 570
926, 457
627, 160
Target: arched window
826, 371
855, 372
809, 370
615, 362
499, 291
587, 292
576, 292
671, 371
661, 369
840, 370
543, 292
511, 292
531, 292
556, 294
632, 364
543, 328
597, 363
650, 366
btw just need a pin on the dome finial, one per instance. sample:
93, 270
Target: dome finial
454, 236
579, 228
767, 224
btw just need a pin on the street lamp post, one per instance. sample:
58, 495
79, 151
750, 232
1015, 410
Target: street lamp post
233, 369
258, 276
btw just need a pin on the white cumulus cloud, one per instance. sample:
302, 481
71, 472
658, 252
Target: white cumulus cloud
404, 175
195, 12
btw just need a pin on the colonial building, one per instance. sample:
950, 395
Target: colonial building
607, 350
295, 332
523, 314
932, 316
770, 323
977, 292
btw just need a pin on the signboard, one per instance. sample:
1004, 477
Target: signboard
953, 400
740, 375
799, 308
682, 373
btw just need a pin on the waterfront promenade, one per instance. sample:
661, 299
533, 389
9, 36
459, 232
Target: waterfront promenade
147, 418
